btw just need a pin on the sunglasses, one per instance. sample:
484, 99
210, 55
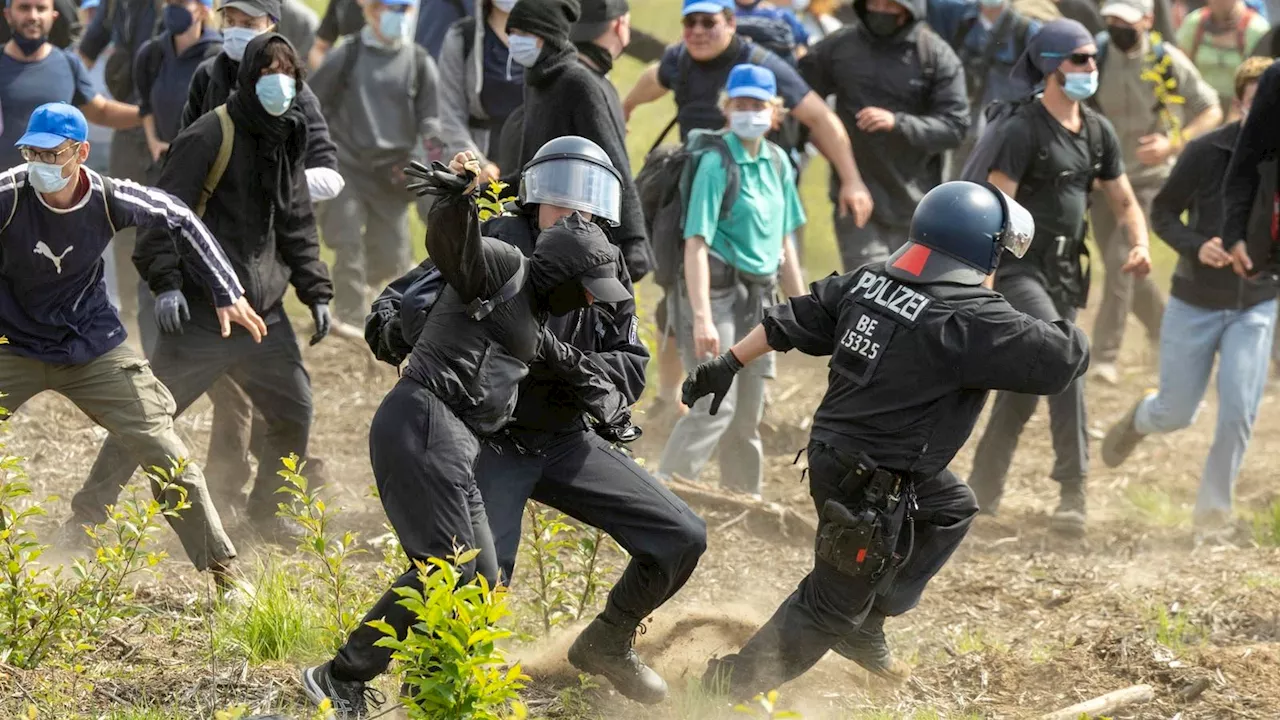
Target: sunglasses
49, 157
1081, 58
706, 22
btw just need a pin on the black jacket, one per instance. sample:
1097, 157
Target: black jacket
565, 97
269, 252
1195, 186
931, 110
476, 366
911, 364
1258, 141
213, 83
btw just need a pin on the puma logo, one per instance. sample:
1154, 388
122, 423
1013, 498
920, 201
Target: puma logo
43, 249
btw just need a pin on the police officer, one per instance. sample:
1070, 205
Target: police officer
915, 344
548, 452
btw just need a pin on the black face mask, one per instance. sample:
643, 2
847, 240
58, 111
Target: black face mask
27, 45
1125, 38
881, 24
566, 297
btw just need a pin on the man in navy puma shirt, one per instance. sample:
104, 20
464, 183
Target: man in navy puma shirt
56, 219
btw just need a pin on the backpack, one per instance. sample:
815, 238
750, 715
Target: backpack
118, 74
219, 167
1011, 24
330, 105
1202, 27
108, 192
664, 184
770, 32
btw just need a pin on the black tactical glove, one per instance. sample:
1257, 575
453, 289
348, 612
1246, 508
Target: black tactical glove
384, 334
712, 377
438, 179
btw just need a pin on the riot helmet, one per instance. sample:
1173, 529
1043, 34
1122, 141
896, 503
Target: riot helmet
957, 233
575, 173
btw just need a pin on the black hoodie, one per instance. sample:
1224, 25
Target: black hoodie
260, 211
930, 107
475, 367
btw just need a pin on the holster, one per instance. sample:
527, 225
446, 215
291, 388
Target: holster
861, 535
1068, 274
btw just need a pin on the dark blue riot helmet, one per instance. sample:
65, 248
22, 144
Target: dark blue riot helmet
573, 172
957, 233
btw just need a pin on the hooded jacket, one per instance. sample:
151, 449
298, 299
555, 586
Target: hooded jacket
214, 82
476, 366
1195, 185
563, 96
464, 123
926, 95
163, 77
269, 248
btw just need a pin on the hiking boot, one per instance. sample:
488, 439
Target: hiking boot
1069, 518
604, 648
1107, 372
867, 647
278, 531
1121, 439
349, 698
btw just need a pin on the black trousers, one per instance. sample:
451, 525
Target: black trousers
586, 478
270, 372
423, 463
1011, 411
828, 605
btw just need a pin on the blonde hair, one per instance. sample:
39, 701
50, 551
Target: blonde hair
1249, 72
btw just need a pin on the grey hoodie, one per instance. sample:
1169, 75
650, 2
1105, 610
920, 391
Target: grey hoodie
461, 80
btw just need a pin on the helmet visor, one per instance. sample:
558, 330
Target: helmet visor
1019, 226
575, 184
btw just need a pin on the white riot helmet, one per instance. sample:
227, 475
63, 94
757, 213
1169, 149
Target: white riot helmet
575, 173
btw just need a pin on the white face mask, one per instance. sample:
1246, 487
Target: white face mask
751, 124
524, 49
236, 39
505, 5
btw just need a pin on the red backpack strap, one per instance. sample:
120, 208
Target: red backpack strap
1202, 26
1242, 29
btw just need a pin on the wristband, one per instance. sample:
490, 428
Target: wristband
732, 360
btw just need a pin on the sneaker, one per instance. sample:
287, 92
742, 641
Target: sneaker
349, 698
868, 647
1121, 439
278, 531
604, 648
1069, 518
1106, 372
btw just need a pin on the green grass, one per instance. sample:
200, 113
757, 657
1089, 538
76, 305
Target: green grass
1157, 507
1266, 525
1175, 630
270, 621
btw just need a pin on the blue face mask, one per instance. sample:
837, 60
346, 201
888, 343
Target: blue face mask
47, 177
392, 25
991, 3
524, 49
1080, 85
276, 93
236, 39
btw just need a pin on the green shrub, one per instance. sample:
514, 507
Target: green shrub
273, 622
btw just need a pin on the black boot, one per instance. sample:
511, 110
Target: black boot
1121, 439
604, 648
867, 647
1069, 518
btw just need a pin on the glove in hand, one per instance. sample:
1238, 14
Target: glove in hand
324, 320
171, 311
438, 179
622, 432
713, 378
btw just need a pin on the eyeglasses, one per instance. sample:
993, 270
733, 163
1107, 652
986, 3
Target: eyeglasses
706, 22
49, 157
1081, 58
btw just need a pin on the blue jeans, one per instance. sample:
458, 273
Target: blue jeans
1190, 336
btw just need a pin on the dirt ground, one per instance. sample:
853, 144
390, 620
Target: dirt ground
1018, 624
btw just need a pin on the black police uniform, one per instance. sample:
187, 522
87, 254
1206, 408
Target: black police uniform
910, 368
1054, 169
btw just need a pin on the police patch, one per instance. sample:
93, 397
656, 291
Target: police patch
634, 336
861, 344
890, 298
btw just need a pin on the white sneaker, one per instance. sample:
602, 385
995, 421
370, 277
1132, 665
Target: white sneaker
1106, 372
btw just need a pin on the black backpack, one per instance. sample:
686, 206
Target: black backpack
771, 33
976, 69
118, 74
664, 184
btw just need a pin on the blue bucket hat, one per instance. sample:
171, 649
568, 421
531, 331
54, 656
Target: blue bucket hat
53, 124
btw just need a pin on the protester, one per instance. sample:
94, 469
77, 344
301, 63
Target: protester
901, 119
1047, 154
1215, 309
915, 344
460, 385
435, 17
777, 29
342, 18
380, 94
481, 86
567, 92
164, 68
1218, 37
548, 453
299, 25
989, 36
60, 332
817, 17
260, 211
65, 30
1152, 133
732, 264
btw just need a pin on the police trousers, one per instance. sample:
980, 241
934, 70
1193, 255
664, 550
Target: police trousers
829, 605
423, 460
271, 372
119, 392
874, 242
1011, 411
1122, 292
590, 480
367, 225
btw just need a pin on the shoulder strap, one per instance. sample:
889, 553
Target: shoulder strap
1201, 28
344, 72
1093, 136
17, 193
480, 309
732, 174
757, 55
220, 162
467, 26
1021, 25
963, 29
419, 59
1242, 29
108, 199
684, 64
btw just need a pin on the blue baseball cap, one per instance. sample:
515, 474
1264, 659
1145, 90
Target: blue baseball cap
710, 7
752, 81
399, 3
90, 4
53, 124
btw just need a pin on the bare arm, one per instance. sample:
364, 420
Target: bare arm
111, 113
754, 345
1209, 119
1125, 206
697, 276
646, 90
1009, 187
315, 58
792, 275
829, 136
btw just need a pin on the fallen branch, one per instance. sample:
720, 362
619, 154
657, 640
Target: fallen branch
728, 524
761, 516
1104, 703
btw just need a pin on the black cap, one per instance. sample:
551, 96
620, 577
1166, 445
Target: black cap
603, 284
256, 8
597, 15
550, 20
